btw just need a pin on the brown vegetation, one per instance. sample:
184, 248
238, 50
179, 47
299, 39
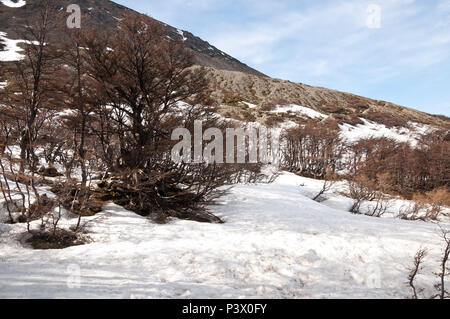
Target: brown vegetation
105, 105
388, 119
313, 150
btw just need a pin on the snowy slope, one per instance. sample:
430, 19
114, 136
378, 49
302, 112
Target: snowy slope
354, 133
12, 50
276, 243
376, 130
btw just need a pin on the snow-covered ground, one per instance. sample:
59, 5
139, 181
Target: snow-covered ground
376, 130
276, 243
354, 133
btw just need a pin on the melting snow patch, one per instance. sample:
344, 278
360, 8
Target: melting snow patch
376, 130
182, 34
11, 52
293, 108
276, 243
12, 4
421, 128
250, 105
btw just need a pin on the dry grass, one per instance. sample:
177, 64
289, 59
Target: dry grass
259, 90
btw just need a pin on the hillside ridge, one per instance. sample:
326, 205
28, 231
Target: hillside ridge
235, 88
105, 13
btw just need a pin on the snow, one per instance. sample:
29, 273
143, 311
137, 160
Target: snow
9, 3
11, 52
419, 128
250, 105
276, 243
376, 130
12, 49
293, 108
181, 33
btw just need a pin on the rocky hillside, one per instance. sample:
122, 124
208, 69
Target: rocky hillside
105, 14
232, 83
237, 89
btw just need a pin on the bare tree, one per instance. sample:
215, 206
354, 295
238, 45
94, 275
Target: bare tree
79, 92
313, 150
139, 77
29, 93
360, 189
444, 272
414, 272
327, 185
442, 275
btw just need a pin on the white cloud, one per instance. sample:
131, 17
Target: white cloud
325, 42
334, 37
444, 5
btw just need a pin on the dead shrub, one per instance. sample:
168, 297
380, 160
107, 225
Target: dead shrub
412, 211
332, 108
273, 121
360, 189
313, 150
387, 119
268, 106
60, 239
433, 202
442, 275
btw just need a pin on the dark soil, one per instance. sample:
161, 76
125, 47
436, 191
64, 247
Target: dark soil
60, 240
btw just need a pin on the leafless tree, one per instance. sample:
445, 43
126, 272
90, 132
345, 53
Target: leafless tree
139, 77
360, 189
313, 150
414, 272
442, 274
444, 271
29, 94
328, 184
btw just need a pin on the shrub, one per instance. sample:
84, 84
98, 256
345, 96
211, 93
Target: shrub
433, 202
332, 108
232, 100
387, 119
60, 239
268, 106
440, 286
313, 150
410, 169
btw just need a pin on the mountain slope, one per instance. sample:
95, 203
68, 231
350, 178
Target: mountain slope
232, 82
233, 88
105, 14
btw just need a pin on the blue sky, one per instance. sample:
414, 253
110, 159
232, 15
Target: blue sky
394, 50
